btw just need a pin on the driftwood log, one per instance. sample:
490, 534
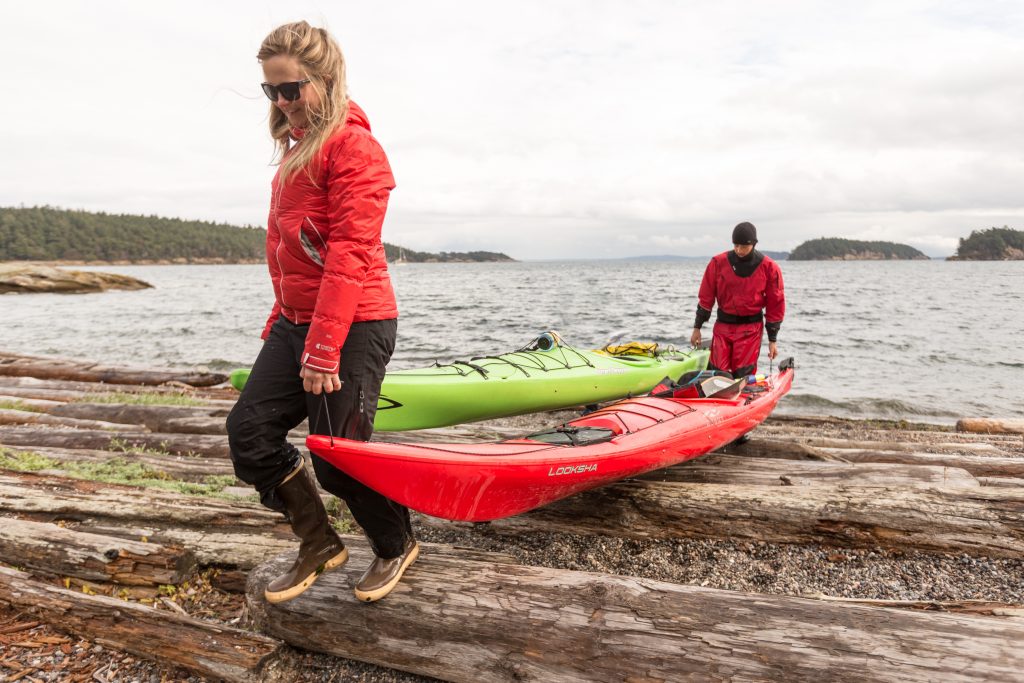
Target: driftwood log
157, 418
56, 368
716, 468
177, 444
475, 621
772, 448
219, 532
181, 467
1003, 482
218, 652
54, 550
69, 392
970, 447
37, 404
980, 521
30, 417
983, 426
978, 465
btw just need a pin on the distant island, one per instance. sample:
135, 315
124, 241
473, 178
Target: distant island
776, 255
994, 244
397, 254
45, 233
838, 249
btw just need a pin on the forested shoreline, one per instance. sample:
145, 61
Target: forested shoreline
49, 234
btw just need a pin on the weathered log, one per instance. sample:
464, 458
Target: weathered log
197, 425
29, 417
234, 534
179, 444
158, 418
716, 468
213, 397
211, 650
982, 426
975, 464
1004, 482
986, 607
58, 368
42, 393
475, 621
22, 403
862, 432
193, 468
942, 446
228, 549
51, 549
785, 450
978, 465
979, 521
218, 532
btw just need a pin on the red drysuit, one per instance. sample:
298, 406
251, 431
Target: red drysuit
743, 288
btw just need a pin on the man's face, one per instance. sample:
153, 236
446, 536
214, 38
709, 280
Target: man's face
743, 250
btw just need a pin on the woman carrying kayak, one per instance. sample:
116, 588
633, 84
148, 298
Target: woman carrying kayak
333, 325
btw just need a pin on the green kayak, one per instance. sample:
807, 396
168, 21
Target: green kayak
546, 374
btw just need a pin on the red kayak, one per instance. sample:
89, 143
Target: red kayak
480, 482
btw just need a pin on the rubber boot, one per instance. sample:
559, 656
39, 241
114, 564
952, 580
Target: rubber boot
320, 548
383, 575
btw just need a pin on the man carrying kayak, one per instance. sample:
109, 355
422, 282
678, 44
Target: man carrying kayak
748, 288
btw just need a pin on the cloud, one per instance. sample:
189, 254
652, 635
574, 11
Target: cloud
574, 129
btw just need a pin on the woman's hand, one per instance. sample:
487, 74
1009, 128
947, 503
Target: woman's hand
316, 382
695, 338
773, 350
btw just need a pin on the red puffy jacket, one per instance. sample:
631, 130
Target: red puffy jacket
324, 250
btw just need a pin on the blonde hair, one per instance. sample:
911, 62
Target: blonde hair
321, 59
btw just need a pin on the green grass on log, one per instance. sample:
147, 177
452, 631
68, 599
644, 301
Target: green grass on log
143, 399
118, 471
18, 405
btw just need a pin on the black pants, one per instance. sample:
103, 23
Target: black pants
273, 402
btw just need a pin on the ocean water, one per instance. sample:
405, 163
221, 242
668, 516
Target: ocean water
919, 340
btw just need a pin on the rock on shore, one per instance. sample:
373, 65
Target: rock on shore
24, 278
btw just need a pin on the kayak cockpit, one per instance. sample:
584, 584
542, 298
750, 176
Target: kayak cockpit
571, 435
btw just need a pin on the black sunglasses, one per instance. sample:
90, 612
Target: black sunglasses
291, 91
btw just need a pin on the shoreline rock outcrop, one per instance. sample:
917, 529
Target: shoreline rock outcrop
25, 278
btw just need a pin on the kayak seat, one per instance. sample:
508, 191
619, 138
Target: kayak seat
720, 387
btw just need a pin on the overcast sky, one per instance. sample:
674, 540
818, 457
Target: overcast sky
548, 129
